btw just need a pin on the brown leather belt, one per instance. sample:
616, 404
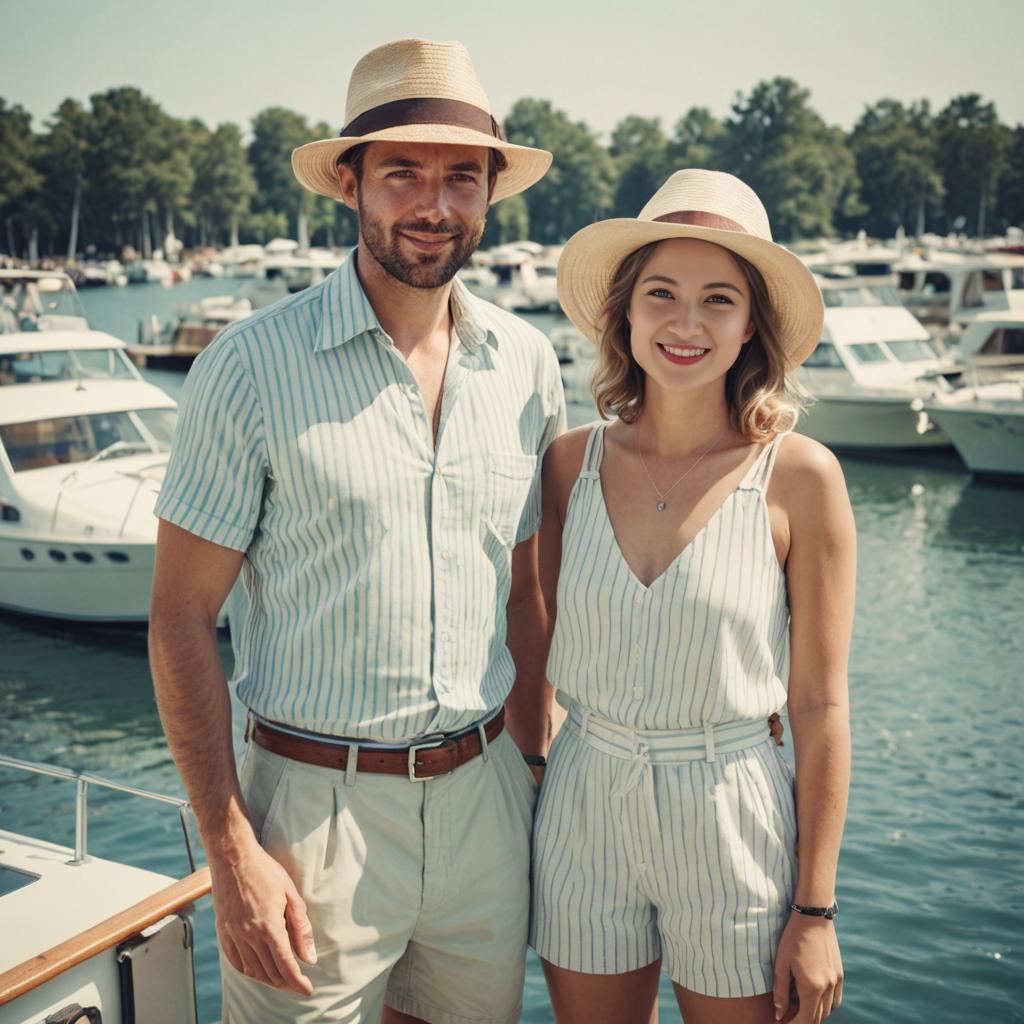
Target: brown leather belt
418, 762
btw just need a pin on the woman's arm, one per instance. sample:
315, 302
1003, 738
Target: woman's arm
821, 578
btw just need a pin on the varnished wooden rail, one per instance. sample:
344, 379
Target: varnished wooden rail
123, 925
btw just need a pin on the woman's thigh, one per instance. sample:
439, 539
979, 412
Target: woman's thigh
698, 1009
629, 998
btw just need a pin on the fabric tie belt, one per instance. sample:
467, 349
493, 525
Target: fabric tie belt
430, 757
644, 748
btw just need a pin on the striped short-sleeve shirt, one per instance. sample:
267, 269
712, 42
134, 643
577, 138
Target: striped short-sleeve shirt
377, 564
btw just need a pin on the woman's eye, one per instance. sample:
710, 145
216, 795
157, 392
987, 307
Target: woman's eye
720, 299
660, 293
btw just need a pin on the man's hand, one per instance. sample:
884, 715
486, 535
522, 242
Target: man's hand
261, 920
808, 956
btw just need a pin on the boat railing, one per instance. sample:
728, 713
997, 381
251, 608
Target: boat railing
83, 780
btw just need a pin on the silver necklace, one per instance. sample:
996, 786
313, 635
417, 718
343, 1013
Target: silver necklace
662, 495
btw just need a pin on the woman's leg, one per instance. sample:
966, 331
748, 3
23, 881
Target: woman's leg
698, 1009
630, 998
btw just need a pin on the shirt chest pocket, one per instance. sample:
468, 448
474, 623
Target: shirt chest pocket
509, 477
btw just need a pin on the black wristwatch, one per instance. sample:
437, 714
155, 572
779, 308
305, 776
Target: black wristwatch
826, 912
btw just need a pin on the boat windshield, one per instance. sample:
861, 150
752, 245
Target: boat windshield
912, 350
69, 364
868, 352
824, 356
69, 439
858, 295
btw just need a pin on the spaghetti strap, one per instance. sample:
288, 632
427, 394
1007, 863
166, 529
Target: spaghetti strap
594, 453
760, 472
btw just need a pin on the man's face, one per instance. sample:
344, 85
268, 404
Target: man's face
421, 207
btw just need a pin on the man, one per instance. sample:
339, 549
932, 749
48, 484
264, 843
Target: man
367, 452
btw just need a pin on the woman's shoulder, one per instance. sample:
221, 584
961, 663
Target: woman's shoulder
807, 482
563, 460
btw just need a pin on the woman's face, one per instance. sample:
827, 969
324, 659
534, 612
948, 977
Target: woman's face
689, 315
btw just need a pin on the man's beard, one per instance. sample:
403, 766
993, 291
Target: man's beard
424, 270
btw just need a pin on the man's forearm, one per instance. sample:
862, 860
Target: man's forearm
528, 707
195, 709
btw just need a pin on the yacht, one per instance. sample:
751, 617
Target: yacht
991, 348
874, 359
84, 444
986, 425
88, 939
284, 275
195, 327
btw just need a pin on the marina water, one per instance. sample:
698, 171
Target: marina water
930, 880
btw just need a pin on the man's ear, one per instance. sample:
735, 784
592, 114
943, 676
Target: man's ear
349, 186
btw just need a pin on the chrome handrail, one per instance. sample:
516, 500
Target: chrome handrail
83, 780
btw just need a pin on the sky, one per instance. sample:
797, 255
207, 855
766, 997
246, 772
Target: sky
598, 60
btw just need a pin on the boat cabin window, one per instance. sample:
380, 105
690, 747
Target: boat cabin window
74, 364
912, 350
69, 439
159, 423
858, 295
824, 356
936, 283
1007, 341
868, 352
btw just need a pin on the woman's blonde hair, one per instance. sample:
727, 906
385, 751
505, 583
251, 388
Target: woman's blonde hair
763, 400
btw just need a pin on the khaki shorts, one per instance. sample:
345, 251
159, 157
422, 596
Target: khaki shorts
418, 893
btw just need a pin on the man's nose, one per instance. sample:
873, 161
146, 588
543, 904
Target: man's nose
432, 202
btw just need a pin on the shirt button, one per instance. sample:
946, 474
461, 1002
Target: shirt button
444, 555
444, 638
637, 653
638, 692
639, 598
439, 471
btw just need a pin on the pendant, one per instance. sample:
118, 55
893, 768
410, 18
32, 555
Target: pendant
661, 506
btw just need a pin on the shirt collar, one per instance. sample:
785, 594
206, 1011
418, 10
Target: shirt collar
346, 312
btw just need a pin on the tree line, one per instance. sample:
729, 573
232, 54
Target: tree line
121, 171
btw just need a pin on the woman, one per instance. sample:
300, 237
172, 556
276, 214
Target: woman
707, 560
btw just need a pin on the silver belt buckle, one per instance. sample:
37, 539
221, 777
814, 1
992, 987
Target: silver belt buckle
430, 745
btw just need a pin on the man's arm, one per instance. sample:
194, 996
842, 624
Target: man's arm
261, 918
528, 707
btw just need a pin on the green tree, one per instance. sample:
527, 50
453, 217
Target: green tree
275, 133
972, 148
894, 147
223, 186
1010, 203
696, 141
641, 154
579, 188
19, 178
800, 167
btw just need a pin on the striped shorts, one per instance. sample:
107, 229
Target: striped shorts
678, 845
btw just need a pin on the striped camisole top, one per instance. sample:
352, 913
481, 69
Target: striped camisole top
706, 643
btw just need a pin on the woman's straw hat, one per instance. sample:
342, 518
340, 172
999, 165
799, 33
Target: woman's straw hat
711, 206
415, 90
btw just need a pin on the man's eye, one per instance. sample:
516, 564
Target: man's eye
464, 178
400, 174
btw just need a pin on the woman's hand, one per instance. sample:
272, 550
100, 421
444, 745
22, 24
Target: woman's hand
808, 958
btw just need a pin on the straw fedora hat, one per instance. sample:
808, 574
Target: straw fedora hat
415, 90
709, 205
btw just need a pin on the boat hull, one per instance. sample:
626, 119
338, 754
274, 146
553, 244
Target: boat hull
870, 425
69, 579
990, 440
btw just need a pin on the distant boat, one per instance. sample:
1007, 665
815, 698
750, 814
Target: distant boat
873, 360
986, 425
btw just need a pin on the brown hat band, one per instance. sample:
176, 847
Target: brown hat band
422, 110
701, 219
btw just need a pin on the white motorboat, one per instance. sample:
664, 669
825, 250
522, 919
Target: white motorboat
991, 348
986, 425
93, 940
195, 327
873, 361
84, 443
